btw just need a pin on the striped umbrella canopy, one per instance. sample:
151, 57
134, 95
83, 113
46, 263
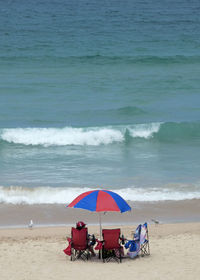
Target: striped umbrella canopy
100, 201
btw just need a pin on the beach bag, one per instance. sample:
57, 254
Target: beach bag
131, 245
132, 255
134, 247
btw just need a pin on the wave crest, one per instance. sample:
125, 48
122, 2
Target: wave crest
95, 136
49, 195
144, 130
62, 136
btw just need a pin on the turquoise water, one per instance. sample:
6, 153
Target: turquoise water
99, 94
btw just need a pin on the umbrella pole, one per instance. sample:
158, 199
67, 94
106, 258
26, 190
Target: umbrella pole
100, 227
100, 230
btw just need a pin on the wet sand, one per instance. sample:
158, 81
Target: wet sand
56, 214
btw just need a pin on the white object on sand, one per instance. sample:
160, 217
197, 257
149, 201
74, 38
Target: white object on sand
30, 224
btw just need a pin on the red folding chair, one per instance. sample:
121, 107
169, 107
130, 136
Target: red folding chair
79, 244
111, 245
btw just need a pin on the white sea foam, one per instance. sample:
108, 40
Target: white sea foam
62, 136
49, 195
144, 130
93, 136
39, 195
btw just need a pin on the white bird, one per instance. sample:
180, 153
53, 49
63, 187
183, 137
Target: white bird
30, 224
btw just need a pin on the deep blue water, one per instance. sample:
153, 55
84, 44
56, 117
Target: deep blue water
100, 93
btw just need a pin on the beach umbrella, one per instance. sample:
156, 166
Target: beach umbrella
100, 201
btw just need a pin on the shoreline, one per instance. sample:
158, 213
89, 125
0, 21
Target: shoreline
55, 215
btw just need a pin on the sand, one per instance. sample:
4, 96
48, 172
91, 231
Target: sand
38, 254
58, 214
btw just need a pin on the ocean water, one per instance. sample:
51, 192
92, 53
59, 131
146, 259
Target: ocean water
99, 94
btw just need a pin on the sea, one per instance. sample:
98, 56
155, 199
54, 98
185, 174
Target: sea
99, 95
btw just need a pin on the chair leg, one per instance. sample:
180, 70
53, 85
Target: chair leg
103, 255
73, 255
108, 255
148, 248
145, 251
120, 257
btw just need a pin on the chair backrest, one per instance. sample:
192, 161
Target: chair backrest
143, 233
111, 238
136, 235
79, 238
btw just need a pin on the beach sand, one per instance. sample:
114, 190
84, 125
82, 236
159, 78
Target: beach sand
35, 254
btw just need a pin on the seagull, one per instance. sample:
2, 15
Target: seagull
155, 221
30, 224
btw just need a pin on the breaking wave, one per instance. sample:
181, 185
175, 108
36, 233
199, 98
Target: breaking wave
94, 136
49, 195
